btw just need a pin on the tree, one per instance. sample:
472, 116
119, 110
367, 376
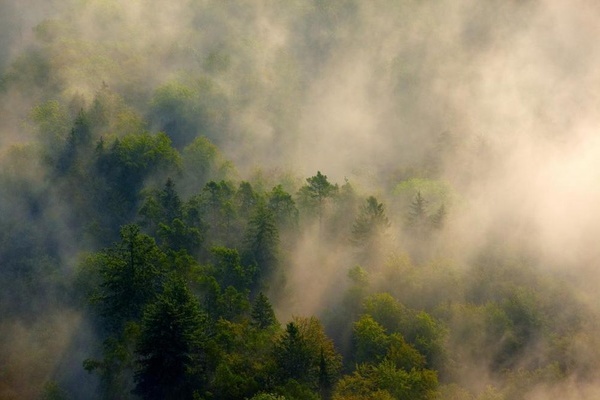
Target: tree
305, 354
78, 141
202, 162
217, 204
130, 274
123, 167
369, 228
403, 355
246, 199
163, 215
283, 207
385, 381
316, 191
229, 271
161, 207
292, 355
170, 202
420, 329
262, 313
417, 215
370, 340
370, 223
262, 241
172, 358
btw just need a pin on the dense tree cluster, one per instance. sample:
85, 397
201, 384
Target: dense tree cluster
123, 219
178, 288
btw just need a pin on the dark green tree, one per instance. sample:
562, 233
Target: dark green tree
316, 191
292, 355
283, 207
130, 275
161, 207
78, 141
172, 358
246, 199
218, 208
229, 271
262, 241
122, 168
369, 229
306, 355
170, 202
262, 313
202, 162
370, 224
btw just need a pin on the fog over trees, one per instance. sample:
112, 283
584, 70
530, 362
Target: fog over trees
295, 200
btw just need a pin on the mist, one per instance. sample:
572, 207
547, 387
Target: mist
487, 108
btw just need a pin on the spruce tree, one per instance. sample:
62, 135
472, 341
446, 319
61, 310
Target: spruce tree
171, 349
262, 313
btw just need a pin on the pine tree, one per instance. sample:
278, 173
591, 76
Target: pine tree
316, 191
171, 350
262, 313
370, 224
293, 356
262, 241
170, 202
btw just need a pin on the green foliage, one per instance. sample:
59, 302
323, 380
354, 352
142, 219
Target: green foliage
130, 274
306, 355
386, 381
229, 270
403, 355
245, 360
203, 162
283, 207
370, 340
420, 329
370, 224
218, 208
52, 120
262, 242
171, 349
91, 161
315, 193
427, 202
262, 313
122, 170
163, 215
116, 367
369, 229
292, 355
183, 110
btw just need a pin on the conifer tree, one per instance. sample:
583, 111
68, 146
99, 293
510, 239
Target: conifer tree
262, 313
171, 350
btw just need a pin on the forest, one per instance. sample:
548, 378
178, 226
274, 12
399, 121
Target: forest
299, 200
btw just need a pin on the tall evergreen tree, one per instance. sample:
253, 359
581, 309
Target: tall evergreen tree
171, 350
262, 313
316, 191
130, 274
370, 224
262, 240
292, 355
